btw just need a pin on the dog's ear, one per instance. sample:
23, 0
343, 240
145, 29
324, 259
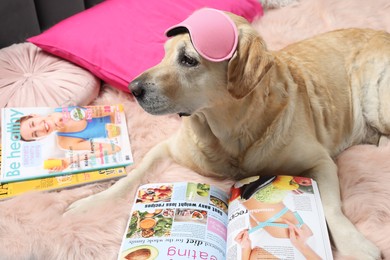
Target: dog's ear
249, 64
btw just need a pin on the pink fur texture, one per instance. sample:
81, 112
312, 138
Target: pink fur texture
364, 172
32, 225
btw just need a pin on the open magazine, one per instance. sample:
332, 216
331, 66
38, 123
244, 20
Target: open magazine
42, 142
277, 217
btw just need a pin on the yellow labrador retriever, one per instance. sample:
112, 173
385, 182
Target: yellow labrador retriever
262, 112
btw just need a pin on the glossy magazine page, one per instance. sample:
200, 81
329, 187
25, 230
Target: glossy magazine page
278, 217
177, 221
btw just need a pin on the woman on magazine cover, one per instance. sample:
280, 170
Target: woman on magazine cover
270, 219
74, 130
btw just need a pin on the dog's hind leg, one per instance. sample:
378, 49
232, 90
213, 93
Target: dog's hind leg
124, 186
370, 79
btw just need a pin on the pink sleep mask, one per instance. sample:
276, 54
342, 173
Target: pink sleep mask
213, 33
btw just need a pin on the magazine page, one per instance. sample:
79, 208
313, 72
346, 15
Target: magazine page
278, 217
41, 141
177, 221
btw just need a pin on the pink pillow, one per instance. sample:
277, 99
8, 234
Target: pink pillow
118, 39
30, 77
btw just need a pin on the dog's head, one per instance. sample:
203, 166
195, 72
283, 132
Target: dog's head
194, 75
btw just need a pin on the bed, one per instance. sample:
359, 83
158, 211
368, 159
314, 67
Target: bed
33, 226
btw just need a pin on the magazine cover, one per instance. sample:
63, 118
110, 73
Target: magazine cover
42, 142
277, 217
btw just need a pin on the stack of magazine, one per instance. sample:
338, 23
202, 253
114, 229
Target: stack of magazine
45, 148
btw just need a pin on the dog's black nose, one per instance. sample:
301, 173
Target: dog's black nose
136, 88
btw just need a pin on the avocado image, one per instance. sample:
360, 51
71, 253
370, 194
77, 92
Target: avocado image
307, 189
203, 189
144, 252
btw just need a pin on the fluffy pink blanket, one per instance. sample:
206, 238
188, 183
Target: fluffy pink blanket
32, 225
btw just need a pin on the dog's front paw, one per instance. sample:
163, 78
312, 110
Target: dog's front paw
85, 204
360, 248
